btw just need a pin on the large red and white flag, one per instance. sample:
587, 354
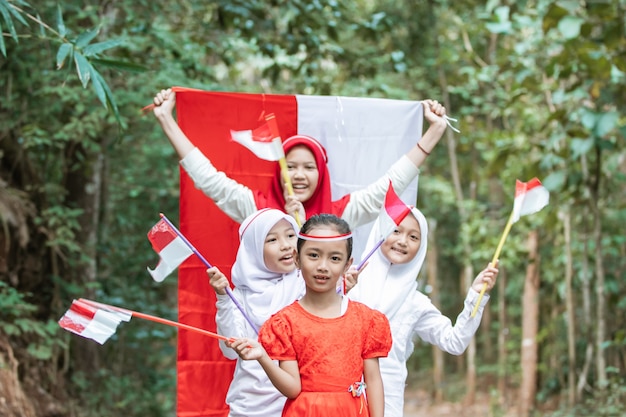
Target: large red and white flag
171, 248
530, 197
363, 138
263, 141
94, 323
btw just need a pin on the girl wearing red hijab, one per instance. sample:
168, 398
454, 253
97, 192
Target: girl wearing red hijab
308, 171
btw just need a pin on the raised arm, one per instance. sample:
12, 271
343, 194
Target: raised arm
164, 103
434, 113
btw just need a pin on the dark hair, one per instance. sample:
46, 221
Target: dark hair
338, 223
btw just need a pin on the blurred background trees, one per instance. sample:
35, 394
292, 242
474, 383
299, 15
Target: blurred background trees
537, 86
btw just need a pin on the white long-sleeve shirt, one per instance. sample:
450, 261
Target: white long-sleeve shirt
419, 317
237, 201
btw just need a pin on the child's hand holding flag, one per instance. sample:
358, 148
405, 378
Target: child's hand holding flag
265, 143
530, 197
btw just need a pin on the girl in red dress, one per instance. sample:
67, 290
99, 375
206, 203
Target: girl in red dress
327, 346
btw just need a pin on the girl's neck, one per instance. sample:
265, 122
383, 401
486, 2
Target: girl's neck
326, 305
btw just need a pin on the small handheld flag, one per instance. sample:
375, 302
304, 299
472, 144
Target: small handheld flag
530, 197
392, 213
171, 248
93, 323
265, 143
98, 321
192, 249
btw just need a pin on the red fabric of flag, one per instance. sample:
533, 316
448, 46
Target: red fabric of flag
207, 119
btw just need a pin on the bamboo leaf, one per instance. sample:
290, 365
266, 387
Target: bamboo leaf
64, 50
99, 47
15, 13
3, 48
83, 67
109, 96
97, 85
86, 37
120, 65
60, 24
8, 21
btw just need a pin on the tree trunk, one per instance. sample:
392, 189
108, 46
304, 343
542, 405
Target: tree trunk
586, 297
431, 265
569, 305
470, 353
502, 337
530, 324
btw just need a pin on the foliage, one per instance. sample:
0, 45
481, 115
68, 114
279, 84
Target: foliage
537, 87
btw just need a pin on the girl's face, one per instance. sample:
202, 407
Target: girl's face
280, 247
323, 263
303, 172
402, 245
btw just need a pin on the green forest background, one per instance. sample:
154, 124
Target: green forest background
538, 88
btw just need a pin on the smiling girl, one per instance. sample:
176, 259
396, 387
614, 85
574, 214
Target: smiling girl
327, 346
389, 285
307, 164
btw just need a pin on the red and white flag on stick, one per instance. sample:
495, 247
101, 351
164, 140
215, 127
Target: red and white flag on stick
91, 322
391, 215
263, 141
98, 321
170, 246
530, 197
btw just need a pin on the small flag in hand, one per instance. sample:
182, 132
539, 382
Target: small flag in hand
171, 248
530, 197
263, 141
94, 323
392, 213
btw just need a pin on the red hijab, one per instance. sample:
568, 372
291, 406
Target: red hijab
321, 200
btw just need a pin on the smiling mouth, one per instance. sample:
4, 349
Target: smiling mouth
400, 251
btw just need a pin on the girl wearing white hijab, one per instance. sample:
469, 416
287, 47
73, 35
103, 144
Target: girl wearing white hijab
389, 285
265, 280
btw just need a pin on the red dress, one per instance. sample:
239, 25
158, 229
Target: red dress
330, 354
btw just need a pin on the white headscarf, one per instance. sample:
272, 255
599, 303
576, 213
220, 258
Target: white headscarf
383, 286
264, 292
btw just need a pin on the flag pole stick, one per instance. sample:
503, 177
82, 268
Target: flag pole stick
159, 320
285, 172
273, 125
370, 253
208, 265
505, 233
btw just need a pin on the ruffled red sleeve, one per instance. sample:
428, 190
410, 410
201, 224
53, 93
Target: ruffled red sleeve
276, 337
378, 336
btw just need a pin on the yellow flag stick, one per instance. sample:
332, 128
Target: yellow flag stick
507, 229
271, 121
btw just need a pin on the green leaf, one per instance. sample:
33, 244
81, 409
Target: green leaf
97, 86
553, 17
555, 181
60, 24
17, 14
569, 26
86, 37
6, 16
109, 96
580, 147
64, 50
499, 27
120, 65
3, 48
605, 123
83, 68
98, 47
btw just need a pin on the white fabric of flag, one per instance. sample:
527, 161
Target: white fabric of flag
91, 322
530, 197
172, 250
